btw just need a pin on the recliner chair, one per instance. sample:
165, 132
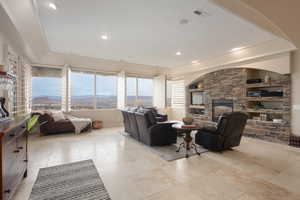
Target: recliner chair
226, 135
134, 132
126, 121
153, 133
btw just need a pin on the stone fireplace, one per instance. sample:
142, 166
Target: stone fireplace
220, 106
227, 90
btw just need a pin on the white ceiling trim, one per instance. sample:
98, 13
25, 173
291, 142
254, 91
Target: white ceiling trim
250, 53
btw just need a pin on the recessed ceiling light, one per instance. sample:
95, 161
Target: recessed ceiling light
178, 53
53, 6
104, 37
236, 49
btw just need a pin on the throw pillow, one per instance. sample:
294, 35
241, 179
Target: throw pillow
57, 116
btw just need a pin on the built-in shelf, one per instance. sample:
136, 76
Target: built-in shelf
197, 106
197, 90
264, 122
267, 111
278, 99
262, 85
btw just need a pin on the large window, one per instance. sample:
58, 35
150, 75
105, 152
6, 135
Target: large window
139, 91
82, 90
106, 91
46, 88
131, 91
90, 91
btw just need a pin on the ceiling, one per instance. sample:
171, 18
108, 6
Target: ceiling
145, 32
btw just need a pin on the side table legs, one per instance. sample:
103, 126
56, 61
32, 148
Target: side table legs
188, 144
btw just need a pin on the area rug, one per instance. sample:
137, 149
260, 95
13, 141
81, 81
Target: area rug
168, 152
79, 180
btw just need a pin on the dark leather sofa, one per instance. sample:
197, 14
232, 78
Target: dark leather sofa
143, 126
49, 126
226, 135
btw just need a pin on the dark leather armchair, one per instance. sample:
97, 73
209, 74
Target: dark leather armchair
226, 135
153, 133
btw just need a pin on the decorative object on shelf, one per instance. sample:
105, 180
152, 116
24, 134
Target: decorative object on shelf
200, 85
263, 117
253, 81
279, 121
267, 78
256, 118
97, 124
193, 86
188, 120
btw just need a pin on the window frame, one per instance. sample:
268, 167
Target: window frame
137, 89
95, 73
116, 90
60, 90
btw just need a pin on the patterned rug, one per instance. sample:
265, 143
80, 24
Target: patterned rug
79, 180
168, 152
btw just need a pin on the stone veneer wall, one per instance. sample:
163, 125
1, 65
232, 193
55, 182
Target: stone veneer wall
231, 84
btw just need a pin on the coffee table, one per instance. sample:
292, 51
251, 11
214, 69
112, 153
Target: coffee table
187, 143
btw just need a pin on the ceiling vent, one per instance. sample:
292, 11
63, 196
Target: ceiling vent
201, 13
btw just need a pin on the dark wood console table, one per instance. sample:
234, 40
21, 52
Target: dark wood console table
13, 156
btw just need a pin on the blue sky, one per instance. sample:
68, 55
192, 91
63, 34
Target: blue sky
83, 84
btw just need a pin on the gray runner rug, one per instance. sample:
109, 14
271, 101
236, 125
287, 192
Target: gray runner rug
168, 152
79, 180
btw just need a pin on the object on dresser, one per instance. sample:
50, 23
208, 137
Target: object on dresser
3, 111
253, 81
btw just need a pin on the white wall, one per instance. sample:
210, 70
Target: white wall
9, 36
296, 93
110, 117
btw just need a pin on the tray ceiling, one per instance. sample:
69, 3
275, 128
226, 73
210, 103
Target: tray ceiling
145, 32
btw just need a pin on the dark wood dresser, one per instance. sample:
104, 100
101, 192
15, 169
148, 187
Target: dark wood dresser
13, 156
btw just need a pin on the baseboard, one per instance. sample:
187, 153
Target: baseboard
295, 141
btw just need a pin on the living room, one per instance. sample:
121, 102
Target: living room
149, 99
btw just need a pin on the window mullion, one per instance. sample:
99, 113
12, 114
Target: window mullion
95, 91
136, 89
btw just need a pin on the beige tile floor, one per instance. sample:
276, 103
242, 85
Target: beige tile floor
255, 170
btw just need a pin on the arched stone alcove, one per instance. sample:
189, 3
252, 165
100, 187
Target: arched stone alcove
267, 102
